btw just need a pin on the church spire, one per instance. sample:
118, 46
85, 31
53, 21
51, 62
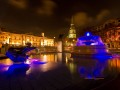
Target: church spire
72, 20
72, 31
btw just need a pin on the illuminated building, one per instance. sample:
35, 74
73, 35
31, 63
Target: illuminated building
22, 39
47, 42
109, 32
72, 31
71, 39
113, 37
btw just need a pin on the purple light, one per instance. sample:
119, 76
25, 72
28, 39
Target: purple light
34, 61
89, 39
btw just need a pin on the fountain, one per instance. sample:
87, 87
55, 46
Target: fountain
90, 45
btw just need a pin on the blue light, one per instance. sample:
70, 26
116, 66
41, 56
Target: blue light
82, 70
87, 34
102, 57
89, 39
18, 69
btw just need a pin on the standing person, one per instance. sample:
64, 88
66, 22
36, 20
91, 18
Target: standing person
3, 49
0, 47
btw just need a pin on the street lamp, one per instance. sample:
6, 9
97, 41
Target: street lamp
54, 41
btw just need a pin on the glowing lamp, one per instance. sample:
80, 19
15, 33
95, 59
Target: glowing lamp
87, 34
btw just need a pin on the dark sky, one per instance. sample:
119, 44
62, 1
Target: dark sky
53, 16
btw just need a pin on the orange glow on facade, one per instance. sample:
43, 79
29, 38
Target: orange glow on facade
22, 39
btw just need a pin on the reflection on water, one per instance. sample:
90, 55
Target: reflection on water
48, 57
37, 76
91, 69
6, 61
115, 63
80, 68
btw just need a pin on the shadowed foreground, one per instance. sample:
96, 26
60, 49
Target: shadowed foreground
49, 76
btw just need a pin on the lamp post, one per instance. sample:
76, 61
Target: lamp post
54, 41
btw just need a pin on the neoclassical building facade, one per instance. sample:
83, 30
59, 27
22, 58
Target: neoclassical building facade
22, 39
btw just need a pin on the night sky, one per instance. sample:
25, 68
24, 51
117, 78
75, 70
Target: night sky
53, 17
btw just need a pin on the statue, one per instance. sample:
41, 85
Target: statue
18, 56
